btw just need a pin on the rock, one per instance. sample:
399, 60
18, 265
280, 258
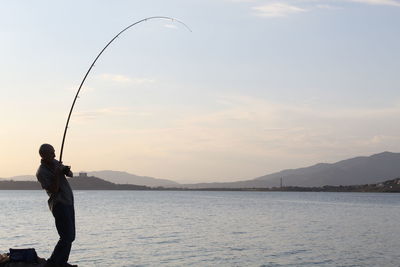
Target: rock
41, 263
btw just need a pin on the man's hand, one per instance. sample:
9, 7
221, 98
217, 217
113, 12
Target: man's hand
67, 171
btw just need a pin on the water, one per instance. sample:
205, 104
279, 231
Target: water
168, 228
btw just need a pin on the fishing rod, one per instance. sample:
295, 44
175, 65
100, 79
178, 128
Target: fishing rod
91, 66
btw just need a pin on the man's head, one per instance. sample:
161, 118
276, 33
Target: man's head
47, 152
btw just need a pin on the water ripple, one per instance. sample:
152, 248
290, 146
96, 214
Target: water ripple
135, 228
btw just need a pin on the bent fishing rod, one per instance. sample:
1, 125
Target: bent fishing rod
91, 66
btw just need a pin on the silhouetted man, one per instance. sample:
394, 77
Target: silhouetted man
51, 175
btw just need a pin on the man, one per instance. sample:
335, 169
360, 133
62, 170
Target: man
51, 175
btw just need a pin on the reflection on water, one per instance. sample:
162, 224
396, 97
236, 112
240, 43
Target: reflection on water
167, 228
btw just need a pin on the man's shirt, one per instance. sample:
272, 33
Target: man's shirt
46, 175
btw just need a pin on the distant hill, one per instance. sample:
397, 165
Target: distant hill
359, 170
116, 177
354, 171
19, 185
94, 183
23, 178
127, 178
77, 183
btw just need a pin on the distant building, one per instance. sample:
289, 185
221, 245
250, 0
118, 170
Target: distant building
83, 175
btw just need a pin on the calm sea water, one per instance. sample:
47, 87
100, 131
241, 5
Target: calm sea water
168, 228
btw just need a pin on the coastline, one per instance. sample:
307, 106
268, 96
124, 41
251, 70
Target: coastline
94, 183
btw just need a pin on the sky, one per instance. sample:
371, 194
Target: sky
257, 86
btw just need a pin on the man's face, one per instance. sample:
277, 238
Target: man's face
48, 154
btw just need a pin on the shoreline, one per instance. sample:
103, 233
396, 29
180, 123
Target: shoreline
94, 183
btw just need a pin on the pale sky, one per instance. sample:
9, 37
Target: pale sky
257, 87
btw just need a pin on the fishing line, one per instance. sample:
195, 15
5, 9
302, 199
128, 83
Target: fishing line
91, 66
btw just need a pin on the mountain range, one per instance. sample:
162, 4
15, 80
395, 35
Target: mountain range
118, 177
359, 170
77, 183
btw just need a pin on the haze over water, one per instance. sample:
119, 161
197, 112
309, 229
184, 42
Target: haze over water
167, 228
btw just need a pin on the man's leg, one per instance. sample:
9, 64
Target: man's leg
64, 216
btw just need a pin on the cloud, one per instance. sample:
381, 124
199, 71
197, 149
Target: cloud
242, 1
84, 116
286, 8
119, 78
171, 26
244, 137
379, 2
325, 6
84, 89
116, 78
256, 126
277, 10
250, 135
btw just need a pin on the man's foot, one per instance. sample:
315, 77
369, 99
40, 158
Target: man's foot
50, 264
